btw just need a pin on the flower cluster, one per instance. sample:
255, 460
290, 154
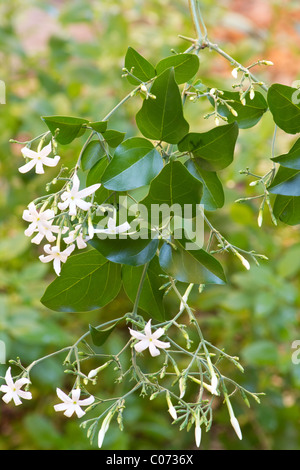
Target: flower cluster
13, 391
75, 226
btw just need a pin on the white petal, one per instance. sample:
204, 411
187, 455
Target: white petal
158, 333
83, 204
63, 396
25, 395
69, 411
87, 401
88, 191
8, 378
39, 169
27, 167
57, 265
153, 350
148, 329
28, 153
76, 184
46, 150
137, 334
51, 161
61, 407
63, 205
7, 397
161, 344
38, 238
16, 399
141, 346
76, 394
79, 411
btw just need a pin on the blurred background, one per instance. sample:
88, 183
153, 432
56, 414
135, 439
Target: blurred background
65, 57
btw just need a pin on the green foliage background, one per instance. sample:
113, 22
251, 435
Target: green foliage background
66, 58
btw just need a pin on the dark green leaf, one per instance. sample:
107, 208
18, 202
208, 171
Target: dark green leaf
91, 155
87, 282
99, 126
195, 266
135, 163
287, 209
290, 159
162, 118
248, 114
113, 138
286, 182
212, 150
100, 336
69, 127
174, 185
151, 298
126, 251
284, 104
185, 66
213, 194
142, 69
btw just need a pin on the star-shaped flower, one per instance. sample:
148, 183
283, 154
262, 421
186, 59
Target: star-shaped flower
13, 390
113, 228
149, 340
73, 198
38, 159
56, 255
72, 404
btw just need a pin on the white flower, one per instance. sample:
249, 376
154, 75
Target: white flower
73, 198
38, 159
72, 404
76, 236
214, 384
38, 220
149, 340
13, 390
112, 227
234, 422
198, 432
171, 408
104, 428
56, 255
234, 72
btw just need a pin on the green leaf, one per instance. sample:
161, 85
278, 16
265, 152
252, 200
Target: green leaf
195, 266
212, 150
290, 159
135, 163
94, 176
213, 194
284, 104
287, 209
151, 298
113, 138
100, 336
69, 127
91, 155
162, 118
126, 251
249, 114
142, 69
286, 182
87, 282
99, 126
185, 66
174, 185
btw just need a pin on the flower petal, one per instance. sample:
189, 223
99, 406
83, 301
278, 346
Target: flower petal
142, 345
27, 167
